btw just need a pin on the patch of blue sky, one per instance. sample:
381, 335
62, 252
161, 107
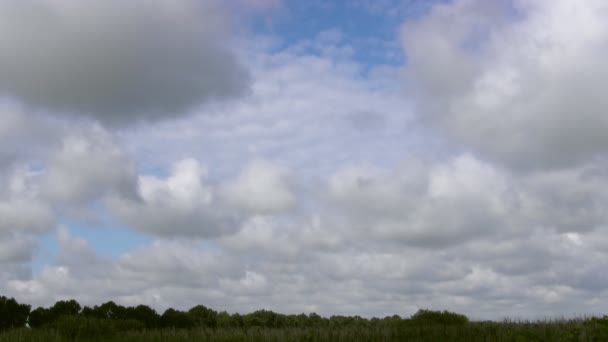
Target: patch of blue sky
105, 237
47, 251
369, 28
111, 240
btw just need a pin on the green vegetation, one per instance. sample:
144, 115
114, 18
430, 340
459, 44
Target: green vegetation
68, 321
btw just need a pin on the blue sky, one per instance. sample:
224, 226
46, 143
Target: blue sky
343, 157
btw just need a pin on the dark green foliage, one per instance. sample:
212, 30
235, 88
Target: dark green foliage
176, 319
12, 314
264, 318
112, 311
39, 318
145, 315
74, 327
226, 320
107, 310
203, 316
79, 327
438, 317
64, 308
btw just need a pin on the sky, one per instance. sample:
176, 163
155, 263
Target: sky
341, 157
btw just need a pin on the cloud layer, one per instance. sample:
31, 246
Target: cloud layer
477, 183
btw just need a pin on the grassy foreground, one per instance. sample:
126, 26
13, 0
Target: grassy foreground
592, 329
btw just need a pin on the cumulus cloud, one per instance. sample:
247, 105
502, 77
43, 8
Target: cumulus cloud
536, 272
512, 82
423, 204
119, 62
16, 250
23, 215
270, 237
88, 166
463, 199
21, 208
16, 254
262, 187
182, 204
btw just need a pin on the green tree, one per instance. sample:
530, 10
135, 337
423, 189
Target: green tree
172, 318
145, 315
108, 310
439, 317
12, 314
65, 308
39, 317
203, 316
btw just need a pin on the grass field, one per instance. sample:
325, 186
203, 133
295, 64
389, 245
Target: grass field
592, 329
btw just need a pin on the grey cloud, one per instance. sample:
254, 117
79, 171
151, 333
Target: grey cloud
594, 279
515, 90
364, 121
16, 249
26, 136
21, 208
16, 254
88, 166
569, 199
26, 216
119, 62
287, 239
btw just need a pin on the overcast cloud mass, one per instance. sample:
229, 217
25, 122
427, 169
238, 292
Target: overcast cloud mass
381, 158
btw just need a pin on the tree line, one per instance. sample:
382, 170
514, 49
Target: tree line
69, 314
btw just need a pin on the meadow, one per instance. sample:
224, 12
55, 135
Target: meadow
570, 330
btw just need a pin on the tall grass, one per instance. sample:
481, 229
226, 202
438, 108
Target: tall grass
591, 329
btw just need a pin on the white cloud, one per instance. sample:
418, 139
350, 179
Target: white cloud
21, 208
262, 187
422, 204
514, 83
182, 204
